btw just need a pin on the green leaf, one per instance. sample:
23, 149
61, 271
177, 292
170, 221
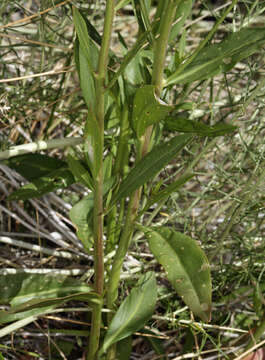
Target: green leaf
89, 49
150, 165
80, 173
148, 109
86, 56
21, 288
221, 57
86, 81
134, 311
32, 294
258, 301
37, 306
27, 319
183, 11
81, 216
91, 30
132, 64
186, 266
93, 143
198, 128
124, 349
58, 179
164, 194
33, 166
8, 316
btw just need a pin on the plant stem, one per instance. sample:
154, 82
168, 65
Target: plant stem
98, 192
40, 145
161, 45
157, 80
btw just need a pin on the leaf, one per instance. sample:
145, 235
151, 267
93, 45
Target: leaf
86, 56
86, 81
148, 109
134, 311
36, 306
91, 30
164, 194
89, 49
21, 288
7, 316
132, 64
31, 294
81, 216
258, 301
150, 165
186, 266
217, 58
182, 12
93, 143
80, 173
22, 322
199, 128
124, 349
33, 166
58, 179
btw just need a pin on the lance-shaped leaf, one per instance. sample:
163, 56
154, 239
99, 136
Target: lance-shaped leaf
186, 266
80, 173
20, 288
133, 313
148, 109
86, 80
89, 49
183, 11
150, 165
165, 193
33, 166
57, 179
198, 128
31, 294
86, 57
81, 216
220, 57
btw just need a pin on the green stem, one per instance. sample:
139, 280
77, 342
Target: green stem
157, 80
161, 45
98, 191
